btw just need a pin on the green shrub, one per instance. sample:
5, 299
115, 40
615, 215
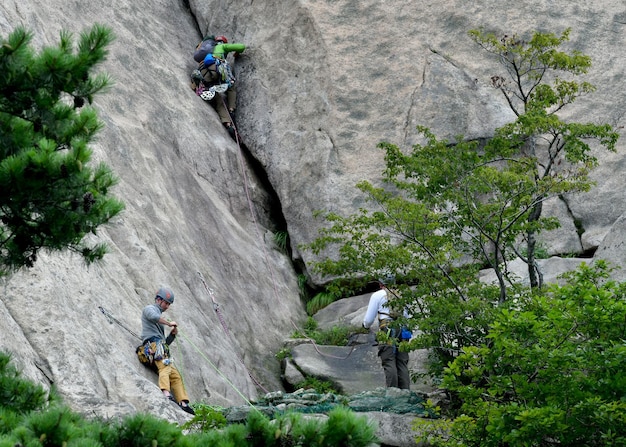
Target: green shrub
320, 386
283, 354
320, 301
17, 394
281, 239
335, 336
552, 372
302, 287
207, 417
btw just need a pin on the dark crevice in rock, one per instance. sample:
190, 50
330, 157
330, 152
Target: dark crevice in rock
275, 214
590, 252
187, 6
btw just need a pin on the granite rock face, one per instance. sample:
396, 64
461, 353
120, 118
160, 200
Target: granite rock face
320, 84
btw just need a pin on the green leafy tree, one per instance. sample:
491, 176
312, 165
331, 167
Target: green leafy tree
554, 156
446, 210
552, 374
50, 198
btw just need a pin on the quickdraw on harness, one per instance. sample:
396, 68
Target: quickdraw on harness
216, 308
152, 351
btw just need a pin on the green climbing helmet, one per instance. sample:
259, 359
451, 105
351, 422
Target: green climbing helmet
165, 294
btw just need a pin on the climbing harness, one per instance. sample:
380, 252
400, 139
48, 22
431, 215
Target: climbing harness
216, 308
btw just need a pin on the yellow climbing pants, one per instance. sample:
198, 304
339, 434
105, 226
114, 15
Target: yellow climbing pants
171, 380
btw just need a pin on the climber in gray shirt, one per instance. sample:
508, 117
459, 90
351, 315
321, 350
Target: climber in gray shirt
157, 346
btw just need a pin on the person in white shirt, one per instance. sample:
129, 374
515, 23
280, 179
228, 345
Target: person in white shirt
394, 362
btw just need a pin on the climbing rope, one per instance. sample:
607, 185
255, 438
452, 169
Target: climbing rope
256, 226
217, 370
112, 320
109, 316
220, 317
316, 347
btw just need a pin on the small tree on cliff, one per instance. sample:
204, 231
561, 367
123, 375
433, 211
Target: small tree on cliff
49, 197
447, 210
554, 154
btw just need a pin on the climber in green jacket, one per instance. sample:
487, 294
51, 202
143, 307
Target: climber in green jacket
215, 70
221, 50
222, 47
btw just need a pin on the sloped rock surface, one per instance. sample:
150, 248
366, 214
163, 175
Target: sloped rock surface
319, 86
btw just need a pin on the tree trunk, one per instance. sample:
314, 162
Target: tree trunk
533, 274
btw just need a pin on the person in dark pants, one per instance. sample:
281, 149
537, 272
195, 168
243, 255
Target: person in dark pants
394, 362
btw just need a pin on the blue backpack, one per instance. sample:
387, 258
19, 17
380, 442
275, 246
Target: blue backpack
205, 47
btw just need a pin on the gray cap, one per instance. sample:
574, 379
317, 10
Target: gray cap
387, 279
165, 294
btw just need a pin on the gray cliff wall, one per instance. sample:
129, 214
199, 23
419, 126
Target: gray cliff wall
319, 86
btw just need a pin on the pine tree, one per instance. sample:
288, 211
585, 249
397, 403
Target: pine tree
50, 198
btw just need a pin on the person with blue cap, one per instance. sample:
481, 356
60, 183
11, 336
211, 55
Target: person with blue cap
156, 347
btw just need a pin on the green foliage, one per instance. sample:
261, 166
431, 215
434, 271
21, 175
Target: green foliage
207, 417
449, 209
336, 335
319, 301
51, 198
552, 372
555, 156
283, 354
343, 428
16, 394
33, 420
302, 286
141, 429
320, 386
281, 239
346, 429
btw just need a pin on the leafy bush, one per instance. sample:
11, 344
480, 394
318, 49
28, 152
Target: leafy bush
207, 417
551, 373
320, 386
44, 421
320, 301
335, 336
16, 394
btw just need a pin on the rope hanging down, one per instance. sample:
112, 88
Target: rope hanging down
317, 349
112, 320
216, 307
260, 238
